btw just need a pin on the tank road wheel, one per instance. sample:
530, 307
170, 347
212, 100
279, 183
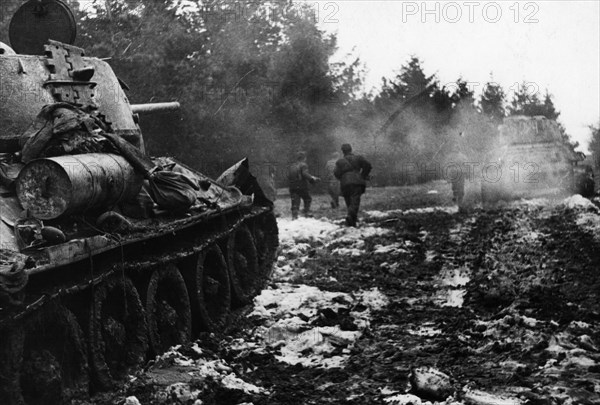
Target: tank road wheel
11, 357
209, 290
117, 332
48, 361
167, 309
242, 261
266, 242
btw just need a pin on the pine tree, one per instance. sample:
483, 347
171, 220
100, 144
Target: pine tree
462, 93
410, 82
527, 102
491, 101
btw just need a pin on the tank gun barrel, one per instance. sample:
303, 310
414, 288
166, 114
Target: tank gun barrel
150, 108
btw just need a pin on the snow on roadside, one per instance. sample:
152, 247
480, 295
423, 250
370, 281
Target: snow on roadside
296, 299
201, 367
305, 325
590, 222
578, 202
588, 214
302, 324
375, 214
532, 202
298, 238
304, 230
296, 324
297, 235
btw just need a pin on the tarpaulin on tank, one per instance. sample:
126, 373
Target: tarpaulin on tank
13, 276
239, 175
208, 193
62, 128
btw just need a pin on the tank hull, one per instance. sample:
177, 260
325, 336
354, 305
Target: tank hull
73, 282
534, 161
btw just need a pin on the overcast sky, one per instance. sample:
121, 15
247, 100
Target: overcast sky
555, 45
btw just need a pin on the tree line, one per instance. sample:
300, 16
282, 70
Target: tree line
255, 79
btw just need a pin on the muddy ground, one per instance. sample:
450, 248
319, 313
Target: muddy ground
501, 305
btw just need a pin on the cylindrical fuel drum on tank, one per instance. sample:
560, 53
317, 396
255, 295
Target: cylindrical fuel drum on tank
51, 187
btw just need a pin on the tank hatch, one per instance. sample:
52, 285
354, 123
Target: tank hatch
38, 21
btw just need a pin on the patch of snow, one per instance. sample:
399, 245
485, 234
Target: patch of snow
283, 273
454, 277
312, 347
477, 397
578, 202
394, 247
529, 322
241, 344
297, 249
431, 210
289, 299
345, 235
589, 221
511, 365
560, 343
455, 233
132, 401
232, 382
427, 331
451, 298
403, 399
184, 362
181, 392
298, 237
387, 391
202, 368
304, 230
579, 325
578, 360
325, 386
426, 210
289, 311
347, 252
374, 299
534, 202
196, 348
375, 214
430, 255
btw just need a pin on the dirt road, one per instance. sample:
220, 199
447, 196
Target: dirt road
501, 305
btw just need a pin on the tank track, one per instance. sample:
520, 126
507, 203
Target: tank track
83, 326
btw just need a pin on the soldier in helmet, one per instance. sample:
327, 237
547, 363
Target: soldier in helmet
353, 173
299, 178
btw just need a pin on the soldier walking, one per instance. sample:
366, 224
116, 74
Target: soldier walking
353, 173
299, 178
333, 184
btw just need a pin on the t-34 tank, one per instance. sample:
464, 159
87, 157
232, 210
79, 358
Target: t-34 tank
533, 159
107, 257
